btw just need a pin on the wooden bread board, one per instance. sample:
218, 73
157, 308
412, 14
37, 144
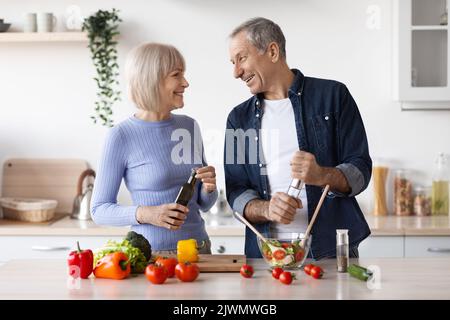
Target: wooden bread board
220, 262
54, 179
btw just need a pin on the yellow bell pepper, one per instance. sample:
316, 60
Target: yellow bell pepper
187, 250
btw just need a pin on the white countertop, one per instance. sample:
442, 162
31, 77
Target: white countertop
401, 278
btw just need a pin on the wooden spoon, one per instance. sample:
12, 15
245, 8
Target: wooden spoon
248, 224
308, 230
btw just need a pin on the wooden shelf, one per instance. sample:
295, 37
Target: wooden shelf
429, 27
43, 37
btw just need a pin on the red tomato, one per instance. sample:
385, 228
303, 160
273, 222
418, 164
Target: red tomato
279, 254
276, 272
187, 272
286, 245
286, 277
308, 268
299, 255
316, 272
268, 255
169, 263
247, 271
156, 273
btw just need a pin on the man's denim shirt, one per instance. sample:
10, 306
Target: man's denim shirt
329, 126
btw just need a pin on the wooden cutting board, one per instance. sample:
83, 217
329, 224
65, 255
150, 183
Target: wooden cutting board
220, 262
43, 178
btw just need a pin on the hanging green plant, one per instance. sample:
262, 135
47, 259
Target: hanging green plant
102, 28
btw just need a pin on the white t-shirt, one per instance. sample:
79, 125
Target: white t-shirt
279, 143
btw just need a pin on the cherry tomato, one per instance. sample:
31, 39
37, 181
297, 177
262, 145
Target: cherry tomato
286, 245
247, 271
276, 272
187, 272
156, 273
169, 263
308, 268
299, 255
316, 272
268, 255
279, 254
286, 277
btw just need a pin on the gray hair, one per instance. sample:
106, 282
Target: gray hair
261, 32
145, 67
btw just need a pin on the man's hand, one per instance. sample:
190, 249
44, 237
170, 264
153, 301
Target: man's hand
282, 208
305, 168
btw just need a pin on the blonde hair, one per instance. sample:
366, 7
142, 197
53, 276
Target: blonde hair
146, 65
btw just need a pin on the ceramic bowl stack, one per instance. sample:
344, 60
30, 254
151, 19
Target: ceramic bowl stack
4, 26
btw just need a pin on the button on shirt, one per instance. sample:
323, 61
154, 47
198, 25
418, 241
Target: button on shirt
279, 143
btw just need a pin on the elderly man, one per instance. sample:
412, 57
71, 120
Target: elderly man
293, 127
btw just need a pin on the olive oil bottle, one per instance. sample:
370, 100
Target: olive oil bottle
439, 191
187, 190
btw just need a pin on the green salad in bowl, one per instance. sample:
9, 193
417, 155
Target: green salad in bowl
285, 251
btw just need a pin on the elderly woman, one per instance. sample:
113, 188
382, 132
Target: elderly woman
144, 150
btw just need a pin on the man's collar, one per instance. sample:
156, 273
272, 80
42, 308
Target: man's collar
295, 88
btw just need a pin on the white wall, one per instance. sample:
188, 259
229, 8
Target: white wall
47, 95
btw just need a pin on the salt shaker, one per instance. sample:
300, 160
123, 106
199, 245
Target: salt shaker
342, 255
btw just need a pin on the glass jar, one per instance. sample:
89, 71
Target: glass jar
403, 201
422, 201
379, 189
440, 187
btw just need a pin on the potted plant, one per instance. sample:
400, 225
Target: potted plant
102, 28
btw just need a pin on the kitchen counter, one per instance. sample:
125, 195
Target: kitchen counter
228, 226
215, 226
400, 278
409, 225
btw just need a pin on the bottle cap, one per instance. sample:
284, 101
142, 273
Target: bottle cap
296, 183
341, 236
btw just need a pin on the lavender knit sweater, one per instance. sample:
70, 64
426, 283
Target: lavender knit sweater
154, 159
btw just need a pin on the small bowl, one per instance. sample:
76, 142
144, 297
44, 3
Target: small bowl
4, 27
285, 251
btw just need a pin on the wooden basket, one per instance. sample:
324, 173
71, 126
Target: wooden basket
29, 210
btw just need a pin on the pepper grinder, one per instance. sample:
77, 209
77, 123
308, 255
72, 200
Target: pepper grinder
342, 254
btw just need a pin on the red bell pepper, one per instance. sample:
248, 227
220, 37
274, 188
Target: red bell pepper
84, 260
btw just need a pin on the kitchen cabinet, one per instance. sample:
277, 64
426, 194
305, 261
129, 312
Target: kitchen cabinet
421, 54
227, 245
56, 247
427, 246
46, 247
383, 247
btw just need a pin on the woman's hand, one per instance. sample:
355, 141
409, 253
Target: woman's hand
170, 216
208, 177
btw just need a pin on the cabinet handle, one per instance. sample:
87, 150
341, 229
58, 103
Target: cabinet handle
48, 248
440, 250
221, 249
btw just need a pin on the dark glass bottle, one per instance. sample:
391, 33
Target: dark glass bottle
187, 190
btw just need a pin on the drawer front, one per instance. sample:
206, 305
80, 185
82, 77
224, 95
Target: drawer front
427, 246
45, 247
382, 247
227, 245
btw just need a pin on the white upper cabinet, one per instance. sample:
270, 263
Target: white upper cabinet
421, 53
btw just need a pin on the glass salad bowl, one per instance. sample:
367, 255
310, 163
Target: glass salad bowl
285, 250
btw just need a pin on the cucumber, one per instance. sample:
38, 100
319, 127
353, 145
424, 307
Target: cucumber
359, 272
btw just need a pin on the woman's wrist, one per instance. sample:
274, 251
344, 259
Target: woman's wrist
139, 215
